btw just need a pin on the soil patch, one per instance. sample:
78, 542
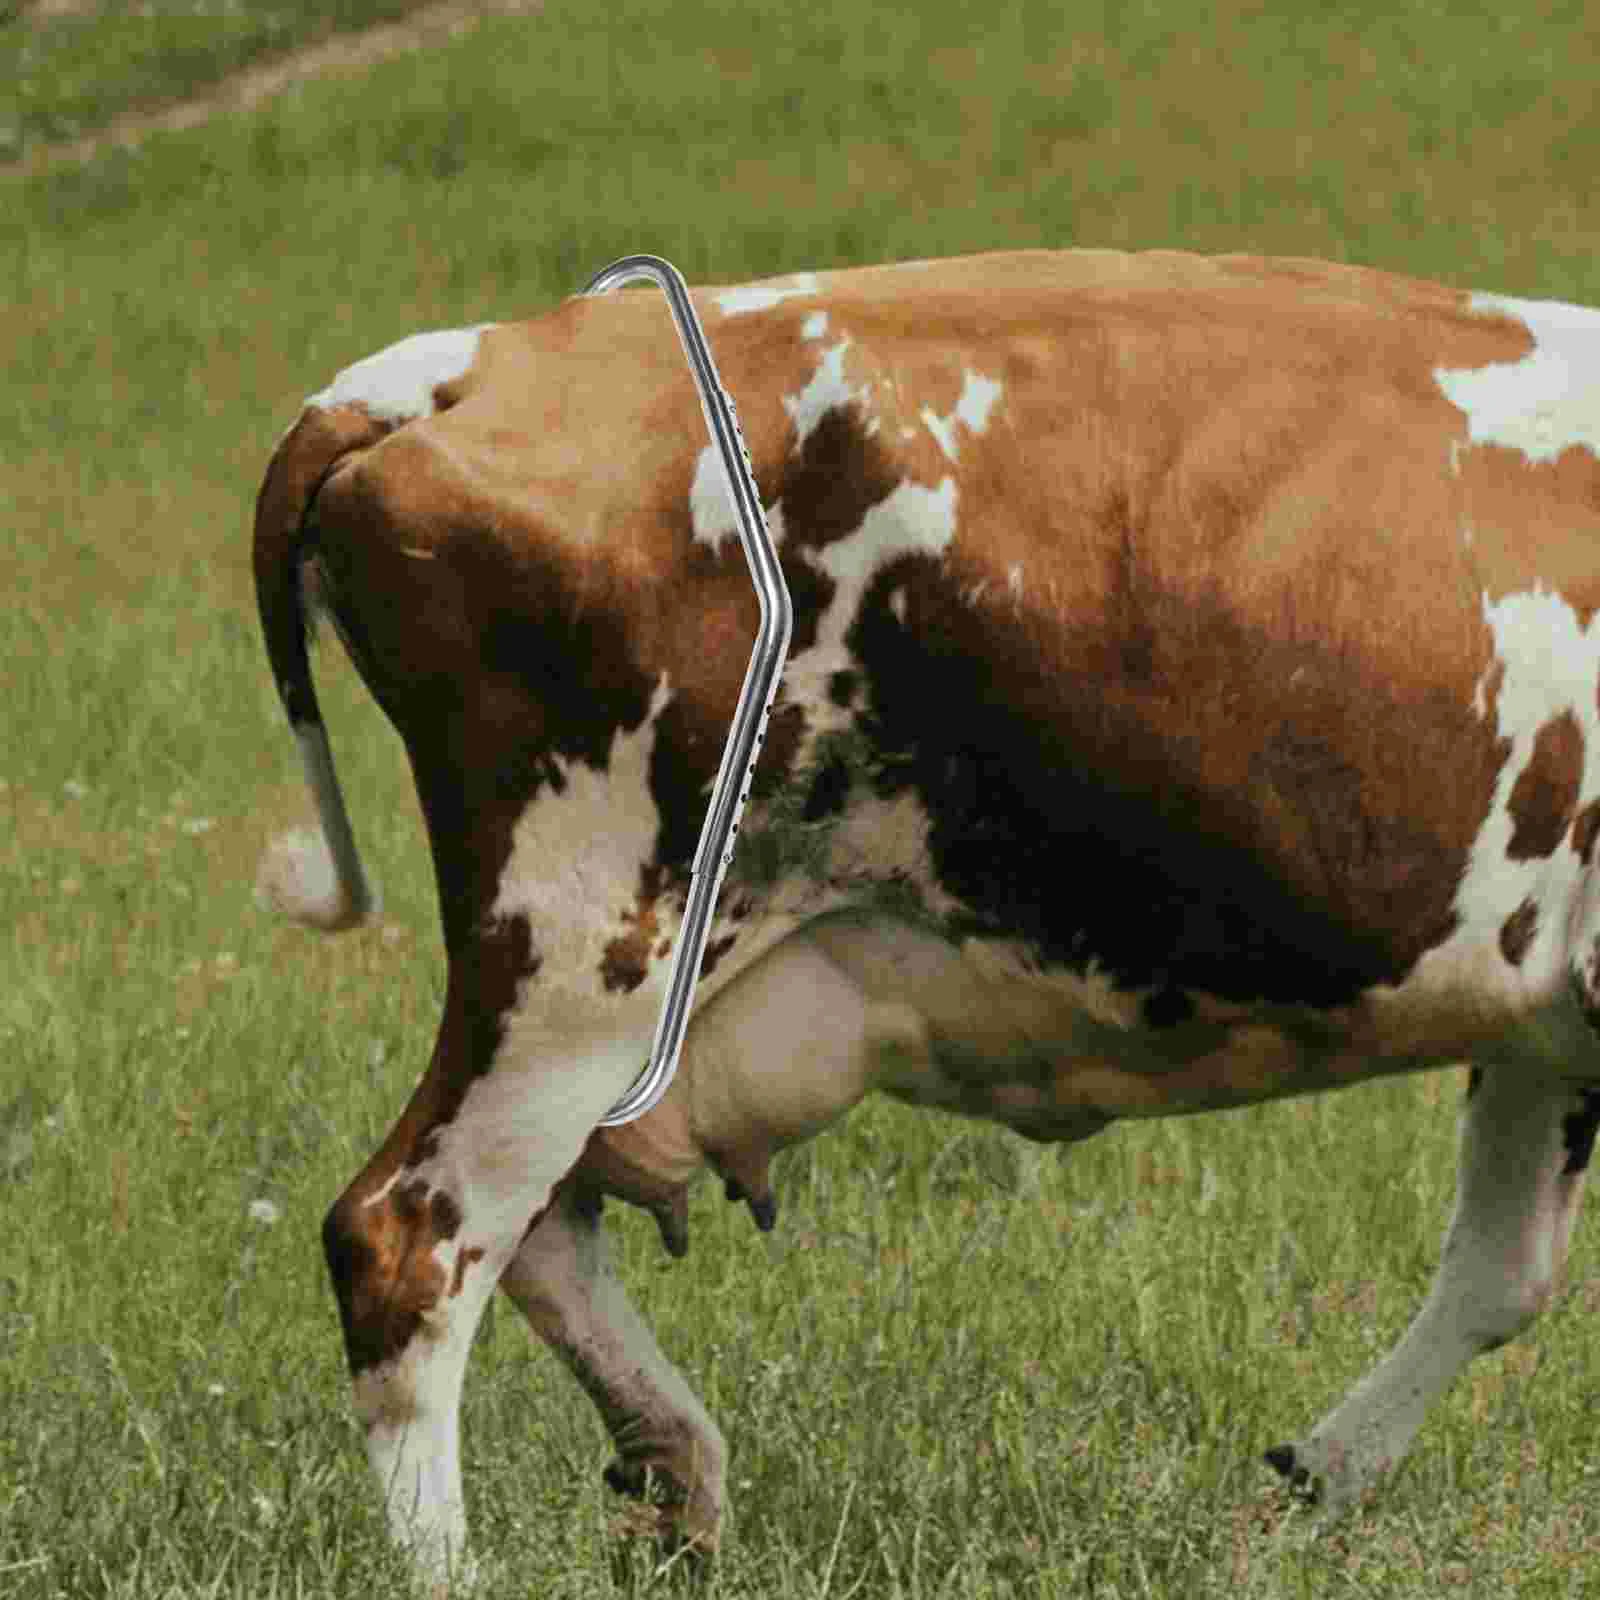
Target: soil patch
243, 91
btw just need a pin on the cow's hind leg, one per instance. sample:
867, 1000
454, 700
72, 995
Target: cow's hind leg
418, 1241
1525, 1142
787, 1048
563, 1282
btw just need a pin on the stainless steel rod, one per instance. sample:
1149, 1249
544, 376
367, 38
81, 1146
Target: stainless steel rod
761, 677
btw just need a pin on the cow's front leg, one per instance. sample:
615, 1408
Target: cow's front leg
418, 1241
562, 1280
1524, 1145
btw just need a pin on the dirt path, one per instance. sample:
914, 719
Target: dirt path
341, 53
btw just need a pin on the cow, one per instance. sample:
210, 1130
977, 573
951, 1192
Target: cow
1192, 702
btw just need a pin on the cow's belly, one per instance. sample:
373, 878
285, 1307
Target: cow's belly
975, 1027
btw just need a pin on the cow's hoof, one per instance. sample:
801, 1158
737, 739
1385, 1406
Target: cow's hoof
684, 1527
1282, 1459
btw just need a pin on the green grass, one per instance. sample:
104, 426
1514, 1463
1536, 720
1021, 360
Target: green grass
959, 1367
71, 71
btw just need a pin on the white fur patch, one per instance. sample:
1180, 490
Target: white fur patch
710, 505
979, 396
411, 1410
943, 431
295, 879
763, 296
910, 520
397, 384
815, 325
1551, 664
827, 391
1547, 402
575, 856
711, 512
564, 1061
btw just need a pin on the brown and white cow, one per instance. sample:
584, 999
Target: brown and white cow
1193, 700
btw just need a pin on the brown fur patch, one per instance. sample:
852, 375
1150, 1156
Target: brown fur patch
838, 476
383, 1271
1553, 530
444, 1214
1224, 787
715, 950
1585, 829
626, 961
469, 1257
1517, 935
1545, 794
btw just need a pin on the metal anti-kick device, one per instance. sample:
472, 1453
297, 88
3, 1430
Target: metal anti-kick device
732, 788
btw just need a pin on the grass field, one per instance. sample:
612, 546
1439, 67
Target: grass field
960, 1367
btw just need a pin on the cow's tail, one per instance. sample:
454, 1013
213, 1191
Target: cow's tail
315, 875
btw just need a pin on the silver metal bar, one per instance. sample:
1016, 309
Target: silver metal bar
749, 728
